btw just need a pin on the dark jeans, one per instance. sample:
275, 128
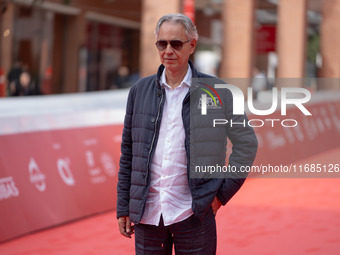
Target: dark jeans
191, 236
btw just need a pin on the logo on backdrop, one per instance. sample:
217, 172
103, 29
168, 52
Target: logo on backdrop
37, 178
95, 172
8, 188
65, 171
108, 164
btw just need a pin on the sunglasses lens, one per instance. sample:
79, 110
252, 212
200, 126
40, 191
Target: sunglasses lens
176, 44
161, 45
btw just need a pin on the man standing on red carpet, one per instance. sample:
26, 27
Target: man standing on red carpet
155, 190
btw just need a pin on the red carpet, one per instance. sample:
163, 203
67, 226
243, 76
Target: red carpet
267, 217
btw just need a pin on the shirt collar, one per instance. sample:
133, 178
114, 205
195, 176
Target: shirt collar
187, 78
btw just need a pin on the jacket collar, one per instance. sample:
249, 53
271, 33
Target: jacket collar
162, 67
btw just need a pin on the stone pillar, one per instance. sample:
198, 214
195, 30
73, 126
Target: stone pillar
238, 32
330, 45
6, 37
75, 37
291, 39
151, 12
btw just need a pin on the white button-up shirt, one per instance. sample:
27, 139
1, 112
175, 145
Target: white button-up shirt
169, 194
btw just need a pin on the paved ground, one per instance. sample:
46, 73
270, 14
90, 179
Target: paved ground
267, 217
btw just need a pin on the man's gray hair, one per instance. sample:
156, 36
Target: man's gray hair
190, 28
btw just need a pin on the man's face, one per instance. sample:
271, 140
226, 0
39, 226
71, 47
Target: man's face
175, 60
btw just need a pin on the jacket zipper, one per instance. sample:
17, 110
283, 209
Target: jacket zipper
186, 98
188, 156
153, 138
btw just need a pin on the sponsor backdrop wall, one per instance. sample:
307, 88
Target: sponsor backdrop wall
58, 159
59, 154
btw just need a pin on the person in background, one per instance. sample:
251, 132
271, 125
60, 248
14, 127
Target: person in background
13, 79
123, 77
26, 84
259, 82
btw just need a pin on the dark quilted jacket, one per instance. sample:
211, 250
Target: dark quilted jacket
207, 146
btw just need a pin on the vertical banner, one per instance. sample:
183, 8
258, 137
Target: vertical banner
2, 83
189, 9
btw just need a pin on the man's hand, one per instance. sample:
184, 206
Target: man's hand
125, 227
216, 204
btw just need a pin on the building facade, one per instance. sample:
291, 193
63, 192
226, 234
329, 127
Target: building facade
82, 45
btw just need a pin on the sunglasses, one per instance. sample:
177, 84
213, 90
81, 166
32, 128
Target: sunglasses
175, 44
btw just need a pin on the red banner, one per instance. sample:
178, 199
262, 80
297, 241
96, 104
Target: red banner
48, 178
265, 39
281, 144
286, 139
2, 83
189, 9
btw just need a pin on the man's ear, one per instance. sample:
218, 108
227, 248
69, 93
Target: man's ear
192, 45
